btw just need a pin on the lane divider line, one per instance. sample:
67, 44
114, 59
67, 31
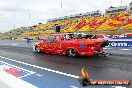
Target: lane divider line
46, 69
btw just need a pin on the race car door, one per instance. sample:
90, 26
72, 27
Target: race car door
56, 45
47, 44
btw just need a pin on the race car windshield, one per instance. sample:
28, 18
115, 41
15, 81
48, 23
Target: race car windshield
86, 36
78, 36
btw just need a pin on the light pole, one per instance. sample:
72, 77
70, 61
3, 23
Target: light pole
121, 2
29, 16
13, 21
61, 4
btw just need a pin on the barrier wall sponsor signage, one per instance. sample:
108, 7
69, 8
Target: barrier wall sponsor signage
14, 70
120, 43
119, 36
118, 40
116, 36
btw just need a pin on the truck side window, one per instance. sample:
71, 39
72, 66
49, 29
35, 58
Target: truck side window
94, 37
50, 39
63, 37
57, 39
67, 37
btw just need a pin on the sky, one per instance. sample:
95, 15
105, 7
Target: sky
22, 13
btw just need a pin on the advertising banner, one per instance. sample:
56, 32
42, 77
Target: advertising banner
120, 43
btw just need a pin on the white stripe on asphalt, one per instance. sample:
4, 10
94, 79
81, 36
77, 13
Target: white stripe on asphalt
125, 49
14, 44
73, 87
118, 87
50, 70
105, 48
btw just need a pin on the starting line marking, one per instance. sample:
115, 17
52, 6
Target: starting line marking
10, 81
50, 70
15, 70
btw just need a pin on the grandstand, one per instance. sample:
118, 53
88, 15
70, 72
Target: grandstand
18, 34
115, 19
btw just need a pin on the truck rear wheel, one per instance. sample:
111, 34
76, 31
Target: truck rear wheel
72, 53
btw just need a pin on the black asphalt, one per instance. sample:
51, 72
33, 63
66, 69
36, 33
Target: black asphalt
116, 66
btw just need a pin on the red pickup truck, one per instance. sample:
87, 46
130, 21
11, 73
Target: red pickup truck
71, 44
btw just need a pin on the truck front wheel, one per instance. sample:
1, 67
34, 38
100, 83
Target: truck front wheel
37, 49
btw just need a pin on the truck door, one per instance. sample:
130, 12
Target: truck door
47, 44
56, 45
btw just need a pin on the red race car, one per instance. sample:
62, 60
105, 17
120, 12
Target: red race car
71, 44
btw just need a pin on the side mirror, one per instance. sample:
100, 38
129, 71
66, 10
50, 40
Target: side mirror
42, 38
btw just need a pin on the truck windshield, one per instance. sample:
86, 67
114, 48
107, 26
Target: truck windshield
78, 36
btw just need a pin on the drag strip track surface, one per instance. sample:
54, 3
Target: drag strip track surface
113, 67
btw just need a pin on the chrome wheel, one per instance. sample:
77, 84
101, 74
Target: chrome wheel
37, 49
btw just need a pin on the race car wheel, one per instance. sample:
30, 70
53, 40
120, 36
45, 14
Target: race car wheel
37, 49
71, 52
